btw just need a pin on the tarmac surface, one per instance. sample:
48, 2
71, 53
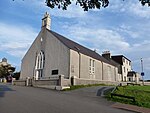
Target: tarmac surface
17, 99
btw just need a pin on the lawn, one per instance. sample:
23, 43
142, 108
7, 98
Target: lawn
82, 86
141, 94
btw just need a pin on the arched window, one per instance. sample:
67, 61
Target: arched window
39, 65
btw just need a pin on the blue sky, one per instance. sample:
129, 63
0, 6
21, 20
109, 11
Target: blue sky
121, 28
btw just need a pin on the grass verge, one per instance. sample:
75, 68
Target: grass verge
141, 94
82, 86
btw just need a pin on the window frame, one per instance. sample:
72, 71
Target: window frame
92, 67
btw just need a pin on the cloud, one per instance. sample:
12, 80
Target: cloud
132, 8
139, 10
15, 40
73, 10
103, 39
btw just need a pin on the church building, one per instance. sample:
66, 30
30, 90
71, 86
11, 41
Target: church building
52, 54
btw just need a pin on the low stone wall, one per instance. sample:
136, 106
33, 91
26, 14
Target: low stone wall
81, 81
60, 82
57, 82
19, 82
53, 82
147, 83
66, 82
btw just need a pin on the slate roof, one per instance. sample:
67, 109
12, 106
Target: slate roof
121, 56
118, 58
79, 48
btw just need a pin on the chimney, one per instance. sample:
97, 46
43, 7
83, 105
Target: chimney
107, 55
46, 21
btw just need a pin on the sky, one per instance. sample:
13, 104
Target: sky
123, 28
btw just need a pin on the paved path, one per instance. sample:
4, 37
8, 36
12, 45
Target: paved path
15, 99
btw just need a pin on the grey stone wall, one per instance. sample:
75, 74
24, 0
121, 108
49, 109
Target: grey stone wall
77, 81
56, 56
19, 82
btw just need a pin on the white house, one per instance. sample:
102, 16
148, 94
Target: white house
125, 66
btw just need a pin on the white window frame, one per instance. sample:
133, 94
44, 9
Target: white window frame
39, 65
92, 66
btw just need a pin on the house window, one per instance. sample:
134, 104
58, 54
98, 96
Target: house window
92, 66
129, 63
55, 72
123, 59
124, 69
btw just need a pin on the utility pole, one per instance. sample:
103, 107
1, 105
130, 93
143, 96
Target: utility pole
142, 73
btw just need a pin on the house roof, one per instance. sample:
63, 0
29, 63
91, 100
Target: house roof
79, 48
121, 57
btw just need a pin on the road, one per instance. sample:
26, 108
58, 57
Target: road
16, 99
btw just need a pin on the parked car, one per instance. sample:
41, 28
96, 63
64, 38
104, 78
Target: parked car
9, 78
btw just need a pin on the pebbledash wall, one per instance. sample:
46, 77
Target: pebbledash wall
56, 56
79, 67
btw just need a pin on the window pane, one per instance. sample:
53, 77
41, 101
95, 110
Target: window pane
90, 62
93, 63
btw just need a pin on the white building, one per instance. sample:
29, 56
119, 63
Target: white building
125, 66
52, 54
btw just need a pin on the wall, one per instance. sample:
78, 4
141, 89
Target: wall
81, 70
56, 56
103, 71
81, 81
28, 61
74, 63
110, 73
127, 68
58, 83
19, 82
53, 82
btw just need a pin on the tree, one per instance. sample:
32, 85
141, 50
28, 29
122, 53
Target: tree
85, 4
3, 72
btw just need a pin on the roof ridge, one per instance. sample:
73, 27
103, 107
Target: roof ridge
79, 48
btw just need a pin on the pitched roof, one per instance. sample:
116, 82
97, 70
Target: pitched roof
117, 56
79, 48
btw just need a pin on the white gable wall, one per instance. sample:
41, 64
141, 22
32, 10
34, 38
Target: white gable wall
56, 56
28, 61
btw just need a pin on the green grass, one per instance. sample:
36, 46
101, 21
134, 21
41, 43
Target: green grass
82, 86
141, 94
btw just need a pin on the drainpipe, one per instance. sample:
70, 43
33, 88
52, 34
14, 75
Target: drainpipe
102, 71
79, 63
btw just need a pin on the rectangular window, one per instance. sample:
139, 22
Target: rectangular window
90, 62
124, 69
92, 66
123, 59
129, 63
55, 72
